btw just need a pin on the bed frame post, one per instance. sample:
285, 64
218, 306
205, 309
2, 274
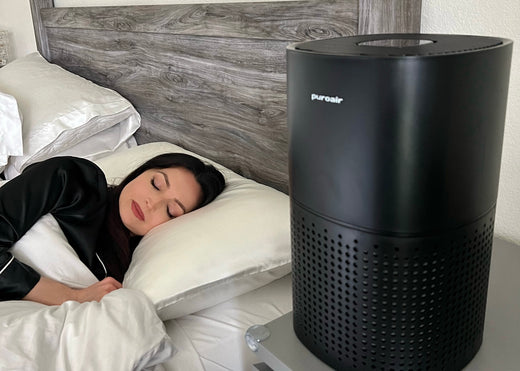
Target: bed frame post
39, 30
389, 16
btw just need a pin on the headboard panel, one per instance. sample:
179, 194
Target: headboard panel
208, 77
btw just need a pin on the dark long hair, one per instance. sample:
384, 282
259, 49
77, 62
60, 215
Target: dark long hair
116, 243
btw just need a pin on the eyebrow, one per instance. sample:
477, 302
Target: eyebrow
168, 185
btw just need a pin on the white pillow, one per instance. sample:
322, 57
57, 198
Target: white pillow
10, 129
237, 243
62, 110
45, 248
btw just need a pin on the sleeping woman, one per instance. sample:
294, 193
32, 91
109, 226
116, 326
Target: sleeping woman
103, 224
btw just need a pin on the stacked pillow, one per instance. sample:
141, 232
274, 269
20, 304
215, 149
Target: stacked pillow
63, 114
10, 129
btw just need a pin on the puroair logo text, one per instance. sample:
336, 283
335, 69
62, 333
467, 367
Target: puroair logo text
326, 98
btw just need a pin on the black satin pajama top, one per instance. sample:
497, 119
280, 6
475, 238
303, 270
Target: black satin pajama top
74, 191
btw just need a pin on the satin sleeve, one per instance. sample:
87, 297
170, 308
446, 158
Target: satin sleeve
73, 190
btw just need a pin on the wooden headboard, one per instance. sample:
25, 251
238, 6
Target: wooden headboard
208, 77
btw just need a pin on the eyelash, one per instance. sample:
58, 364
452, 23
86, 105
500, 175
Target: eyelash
152, 182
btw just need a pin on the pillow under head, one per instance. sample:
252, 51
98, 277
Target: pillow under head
237, 243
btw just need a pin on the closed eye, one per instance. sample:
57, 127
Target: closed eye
152, 182
177, 201
175, 210
170, 215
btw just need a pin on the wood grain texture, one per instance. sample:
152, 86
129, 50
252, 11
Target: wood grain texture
389, 16
211, 78
208, 77
39, 29
293, 20
225, 104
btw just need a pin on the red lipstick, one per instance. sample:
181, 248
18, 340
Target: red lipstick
136, 209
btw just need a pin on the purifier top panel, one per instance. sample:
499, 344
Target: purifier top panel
399, 45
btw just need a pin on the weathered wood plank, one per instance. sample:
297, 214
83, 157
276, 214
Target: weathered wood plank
225, 100
288, 20
39, 29
389, 16
222, 96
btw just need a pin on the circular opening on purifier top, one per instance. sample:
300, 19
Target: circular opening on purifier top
395, 43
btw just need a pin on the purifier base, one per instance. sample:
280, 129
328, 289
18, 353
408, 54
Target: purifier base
363, 300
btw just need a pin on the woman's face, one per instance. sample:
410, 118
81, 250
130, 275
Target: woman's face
156, 196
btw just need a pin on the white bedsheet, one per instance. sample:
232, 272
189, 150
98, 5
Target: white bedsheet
122, 332
213, 339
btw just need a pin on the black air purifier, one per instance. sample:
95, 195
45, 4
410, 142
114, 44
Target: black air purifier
395, 148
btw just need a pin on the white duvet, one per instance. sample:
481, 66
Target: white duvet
122, 332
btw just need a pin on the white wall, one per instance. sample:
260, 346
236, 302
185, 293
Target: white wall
15, 17
478, 17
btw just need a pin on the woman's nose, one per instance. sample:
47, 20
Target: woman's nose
150, 202
153, 203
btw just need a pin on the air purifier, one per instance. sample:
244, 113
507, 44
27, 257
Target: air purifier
395, 145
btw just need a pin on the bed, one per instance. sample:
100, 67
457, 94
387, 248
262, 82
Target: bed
207, 79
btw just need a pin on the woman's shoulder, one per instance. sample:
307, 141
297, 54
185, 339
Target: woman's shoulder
70, 167
66, 163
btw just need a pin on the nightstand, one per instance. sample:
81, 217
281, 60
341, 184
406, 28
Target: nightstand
278, 348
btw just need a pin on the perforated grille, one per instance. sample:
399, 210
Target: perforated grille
365, 301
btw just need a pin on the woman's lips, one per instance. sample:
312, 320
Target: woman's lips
137, 211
